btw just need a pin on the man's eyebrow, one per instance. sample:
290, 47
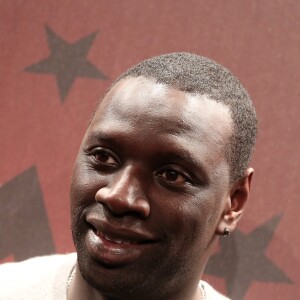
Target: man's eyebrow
96, 136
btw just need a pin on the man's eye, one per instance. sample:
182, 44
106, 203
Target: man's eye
104, 157
173, 177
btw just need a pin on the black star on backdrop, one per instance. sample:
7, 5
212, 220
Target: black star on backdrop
242, 260
67, 61
24, 228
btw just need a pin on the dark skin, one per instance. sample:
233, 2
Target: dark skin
151, 193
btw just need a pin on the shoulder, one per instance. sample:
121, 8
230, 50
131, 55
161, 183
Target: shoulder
34, 278
211, 293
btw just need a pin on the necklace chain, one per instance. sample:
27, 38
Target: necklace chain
202, 291
70, 278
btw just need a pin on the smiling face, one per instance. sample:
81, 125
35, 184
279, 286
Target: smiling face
150, 186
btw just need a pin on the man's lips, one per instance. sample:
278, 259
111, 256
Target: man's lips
120, 234
118, 242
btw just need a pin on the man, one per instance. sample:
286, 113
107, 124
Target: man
161, 173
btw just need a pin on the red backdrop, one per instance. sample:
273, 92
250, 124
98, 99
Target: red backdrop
57, 59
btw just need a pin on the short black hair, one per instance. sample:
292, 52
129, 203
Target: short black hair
199, 75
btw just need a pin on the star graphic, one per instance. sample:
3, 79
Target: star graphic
67, 61
24, 228
242, 260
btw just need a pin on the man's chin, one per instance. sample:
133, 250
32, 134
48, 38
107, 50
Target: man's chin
111, 280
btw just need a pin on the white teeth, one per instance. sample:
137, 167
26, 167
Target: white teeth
117, 241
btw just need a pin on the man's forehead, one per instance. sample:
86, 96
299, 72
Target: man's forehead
152, 102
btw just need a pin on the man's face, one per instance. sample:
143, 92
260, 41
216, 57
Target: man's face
149, 188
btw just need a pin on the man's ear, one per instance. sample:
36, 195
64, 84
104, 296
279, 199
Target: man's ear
235, 205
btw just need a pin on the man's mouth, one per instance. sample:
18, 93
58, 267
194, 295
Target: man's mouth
117, 245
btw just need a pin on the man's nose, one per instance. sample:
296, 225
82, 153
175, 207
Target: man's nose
124, 194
